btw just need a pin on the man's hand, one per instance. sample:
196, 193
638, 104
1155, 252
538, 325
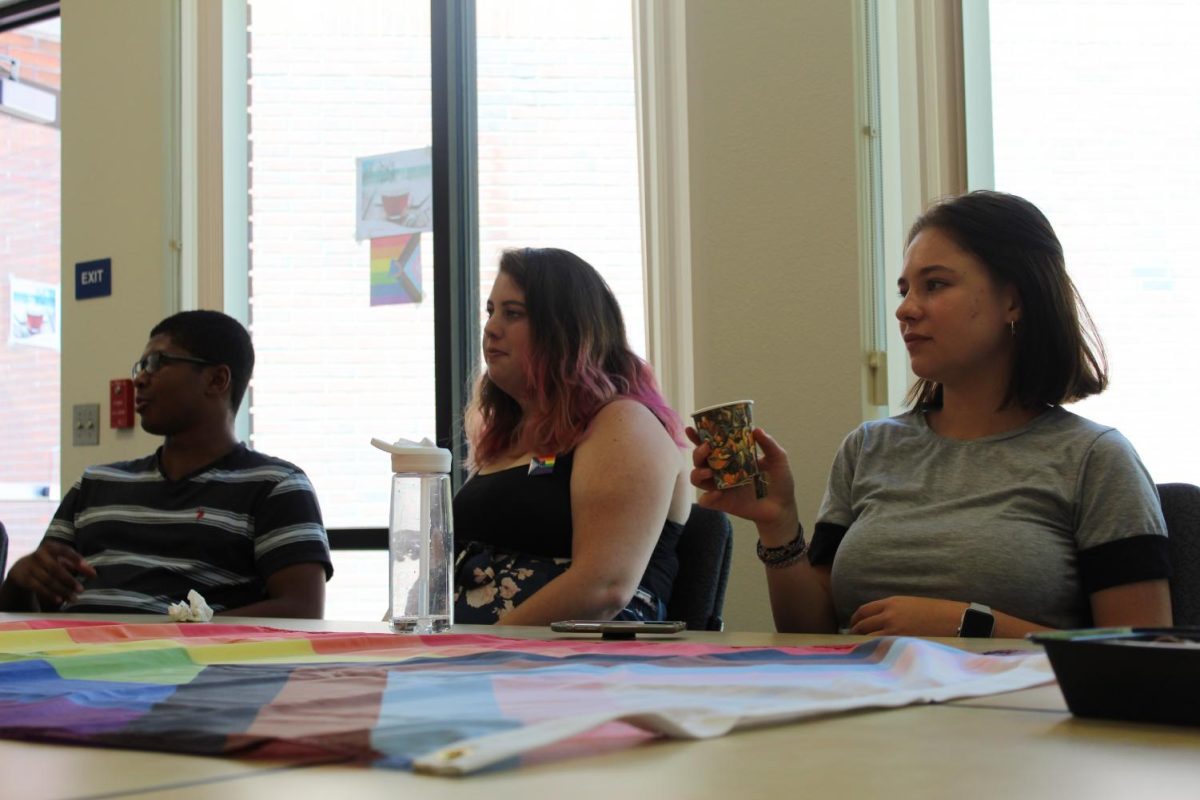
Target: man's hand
907, 616
51, 573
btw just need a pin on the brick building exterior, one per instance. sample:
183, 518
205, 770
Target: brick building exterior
29, 250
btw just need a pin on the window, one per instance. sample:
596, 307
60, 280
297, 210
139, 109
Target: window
558, 161
328, 86
1093, 111
557, 166
30, 170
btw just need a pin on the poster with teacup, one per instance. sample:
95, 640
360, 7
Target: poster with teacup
34, 313
395, 194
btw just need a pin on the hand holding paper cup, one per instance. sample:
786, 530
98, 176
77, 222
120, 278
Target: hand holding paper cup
728, 430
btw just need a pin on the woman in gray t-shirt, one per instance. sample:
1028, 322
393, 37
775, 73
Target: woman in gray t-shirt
987, 509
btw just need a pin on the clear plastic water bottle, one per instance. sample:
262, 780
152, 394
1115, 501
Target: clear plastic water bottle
420, 538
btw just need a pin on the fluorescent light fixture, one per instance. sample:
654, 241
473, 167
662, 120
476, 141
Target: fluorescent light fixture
28, 102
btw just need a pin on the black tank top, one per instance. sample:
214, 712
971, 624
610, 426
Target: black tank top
531, 514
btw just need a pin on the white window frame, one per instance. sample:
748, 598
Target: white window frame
213, 233
922, 121
660, 64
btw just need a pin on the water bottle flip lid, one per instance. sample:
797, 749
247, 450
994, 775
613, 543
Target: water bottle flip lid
422, 456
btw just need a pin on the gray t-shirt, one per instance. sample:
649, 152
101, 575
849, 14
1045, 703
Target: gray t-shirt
1028, 522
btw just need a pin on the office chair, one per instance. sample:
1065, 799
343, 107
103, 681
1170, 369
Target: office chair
1181, 509
705, 552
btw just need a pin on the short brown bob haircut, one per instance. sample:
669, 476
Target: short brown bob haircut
1059, 357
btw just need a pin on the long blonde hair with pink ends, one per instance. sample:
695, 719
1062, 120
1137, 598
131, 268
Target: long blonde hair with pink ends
580, 362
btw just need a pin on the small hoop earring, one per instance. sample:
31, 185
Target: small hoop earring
1012, 327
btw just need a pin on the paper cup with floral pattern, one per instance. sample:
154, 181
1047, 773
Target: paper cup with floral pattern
728, 429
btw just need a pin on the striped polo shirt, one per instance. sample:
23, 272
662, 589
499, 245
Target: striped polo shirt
221, 530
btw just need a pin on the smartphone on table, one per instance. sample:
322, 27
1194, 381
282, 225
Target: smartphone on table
618, 629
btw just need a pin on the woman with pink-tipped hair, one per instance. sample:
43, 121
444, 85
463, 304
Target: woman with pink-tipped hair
578, 489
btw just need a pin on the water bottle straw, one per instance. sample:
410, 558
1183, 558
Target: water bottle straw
427, 538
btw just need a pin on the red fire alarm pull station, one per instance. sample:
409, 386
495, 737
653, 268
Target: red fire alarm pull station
120, 403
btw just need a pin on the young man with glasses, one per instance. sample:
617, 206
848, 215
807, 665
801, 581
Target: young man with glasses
204, 512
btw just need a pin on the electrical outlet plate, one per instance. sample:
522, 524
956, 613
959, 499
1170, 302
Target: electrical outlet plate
85, 424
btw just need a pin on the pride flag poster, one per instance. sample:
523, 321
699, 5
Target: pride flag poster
449, 704
396, 270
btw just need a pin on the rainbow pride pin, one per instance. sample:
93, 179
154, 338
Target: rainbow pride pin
541, 465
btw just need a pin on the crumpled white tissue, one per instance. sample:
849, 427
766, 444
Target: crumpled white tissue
194, 610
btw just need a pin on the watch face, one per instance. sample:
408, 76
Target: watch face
977, 624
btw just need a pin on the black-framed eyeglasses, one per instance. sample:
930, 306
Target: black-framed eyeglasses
152, 362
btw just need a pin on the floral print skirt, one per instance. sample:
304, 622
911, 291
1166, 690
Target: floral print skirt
489, 583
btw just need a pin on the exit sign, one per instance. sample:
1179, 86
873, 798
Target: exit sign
93, 278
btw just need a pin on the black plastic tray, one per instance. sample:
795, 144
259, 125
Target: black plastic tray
1138, 674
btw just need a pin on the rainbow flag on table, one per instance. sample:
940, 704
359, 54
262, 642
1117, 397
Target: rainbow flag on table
448, 704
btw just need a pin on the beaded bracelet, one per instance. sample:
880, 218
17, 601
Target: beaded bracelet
784, 555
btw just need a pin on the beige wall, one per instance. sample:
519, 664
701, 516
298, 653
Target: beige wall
115, 188
773, 137
773, 143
